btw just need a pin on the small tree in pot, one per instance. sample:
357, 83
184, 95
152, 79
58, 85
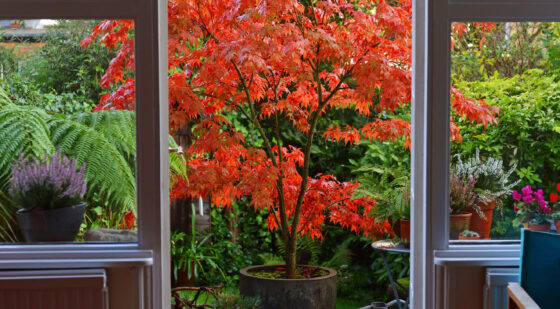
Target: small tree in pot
51, 194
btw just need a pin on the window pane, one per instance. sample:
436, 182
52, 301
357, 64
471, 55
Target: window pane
68, 161
504, 130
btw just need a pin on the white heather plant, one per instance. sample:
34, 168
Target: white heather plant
492, 181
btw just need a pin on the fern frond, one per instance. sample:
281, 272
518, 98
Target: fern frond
118, 127
22, 129
4, 98
7, 218
177, 164
107, 172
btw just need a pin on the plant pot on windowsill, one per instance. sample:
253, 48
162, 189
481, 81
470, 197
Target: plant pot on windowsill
405, 230
539, 227
479, 224
458, 223
469, 235
59, 224
280, 293
557, 224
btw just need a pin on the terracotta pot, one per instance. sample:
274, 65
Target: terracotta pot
478, 224
405, 230
469, 238
183, 278
540, 227
458, 223
557, 224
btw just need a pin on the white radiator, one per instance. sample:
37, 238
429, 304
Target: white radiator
495, 288
54, 289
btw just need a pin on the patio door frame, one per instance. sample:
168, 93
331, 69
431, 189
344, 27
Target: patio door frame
430, 136
151, 254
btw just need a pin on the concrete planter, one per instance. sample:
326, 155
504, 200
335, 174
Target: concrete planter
313, 293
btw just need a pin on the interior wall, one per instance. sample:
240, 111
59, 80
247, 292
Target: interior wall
460, 286
124, 287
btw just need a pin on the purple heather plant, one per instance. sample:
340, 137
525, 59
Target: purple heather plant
52, 183
461, 193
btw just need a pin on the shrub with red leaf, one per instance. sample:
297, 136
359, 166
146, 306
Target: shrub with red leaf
274, 62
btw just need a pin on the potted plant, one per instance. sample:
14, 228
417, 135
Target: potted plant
51, 194
191, 255
393, 203
18, 23
461, 196
492, 184
555, 206
469, 235
531, 207
259, 84
401, 206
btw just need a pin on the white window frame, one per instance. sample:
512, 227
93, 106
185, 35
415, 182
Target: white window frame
151, 253
430, 136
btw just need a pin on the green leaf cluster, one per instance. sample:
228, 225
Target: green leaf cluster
105, 141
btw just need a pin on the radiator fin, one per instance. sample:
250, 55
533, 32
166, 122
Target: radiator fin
54, 289
495, 287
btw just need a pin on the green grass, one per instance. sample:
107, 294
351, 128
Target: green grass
342, 303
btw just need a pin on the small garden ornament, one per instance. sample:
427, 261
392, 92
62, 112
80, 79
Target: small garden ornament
469, 235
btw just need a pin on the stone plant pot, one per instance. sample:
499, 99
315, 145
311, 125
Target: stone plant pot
61, 224
478, 224
458, 223
313, 293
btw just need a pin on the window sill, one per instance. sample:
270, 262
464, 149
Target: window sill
73, 256
491, 254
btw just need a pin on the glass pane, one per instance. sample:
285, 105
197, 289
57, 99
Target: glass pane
67, 161
266, 95
505, 147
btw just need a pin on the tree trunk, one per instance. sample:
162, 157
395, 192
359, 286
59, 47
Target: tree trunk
180, 212
291, 257
232, 223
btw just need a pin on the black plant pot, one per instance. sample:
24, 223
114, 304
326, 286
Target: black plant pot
313, 293
61, 224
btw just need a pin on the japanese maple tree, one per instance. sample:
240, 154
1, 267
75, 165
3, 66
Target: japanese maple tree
274, 62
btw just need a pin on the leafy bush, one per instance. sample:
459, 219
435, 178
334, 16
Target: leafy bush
528, 126
63, 66
252, 241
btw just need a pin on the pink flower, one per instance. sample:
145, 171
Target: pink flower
516, 196
528, 199
514, 207
542, 204
526, 190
